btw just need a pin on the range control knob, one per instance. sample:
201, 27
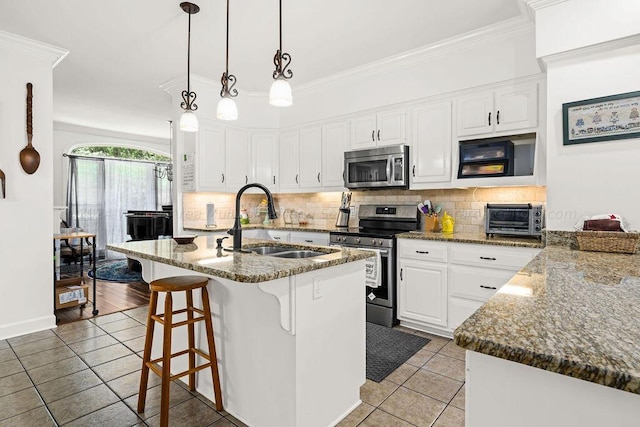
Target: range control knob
538, 213
357, 240
373, 242
380, 242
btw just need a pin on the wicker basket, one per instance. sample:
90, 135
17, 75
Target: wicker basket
608, 241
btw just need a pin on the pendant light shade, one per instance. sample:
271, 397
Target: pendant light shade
188, 120
227, 108
280, 94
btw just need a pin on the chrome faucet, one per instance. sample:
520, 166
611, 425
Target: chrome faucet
236, 231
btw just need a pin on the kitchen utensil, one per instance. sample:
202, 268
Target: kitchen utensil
29, 157
2, 178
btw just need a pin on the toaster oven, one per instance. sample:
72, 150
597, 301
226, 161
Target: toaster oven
513, 219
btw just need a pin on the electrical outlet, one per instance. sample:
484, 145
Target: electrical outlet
317, 289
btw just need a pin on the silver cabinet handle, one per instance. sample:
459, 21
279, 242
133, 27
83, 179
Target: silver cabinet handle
308, 240
488, 287
488, 258
274, 179
378, 134
414, 171
422, 252
296, 178
401, 274
276, 237
373, 135
223, 178
246, 179
318, 176
498, 117
489, 118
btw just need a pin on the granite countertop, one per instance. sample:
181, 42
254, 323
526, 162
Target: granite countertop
569, 312
481, 238
201, 256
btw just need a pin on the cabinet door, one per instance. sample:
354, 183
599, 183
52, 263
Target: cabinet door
238, 158
516, 107
289, 160
460, 309
363, 132
422, 292
431, 143
391, 128
210, 150
264, 159
310, 157
334, 143
475, 114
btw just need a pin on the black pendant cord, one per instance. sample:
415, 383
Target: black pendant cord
188, 96
281, 57
228, 80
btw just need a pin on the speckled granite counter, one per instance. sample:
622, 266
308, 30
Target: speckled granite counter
570, 312
201, 256
524, 242
224, 227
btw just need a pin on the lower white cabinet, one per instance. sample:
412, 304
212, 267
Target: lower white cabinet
441, 284
422, 292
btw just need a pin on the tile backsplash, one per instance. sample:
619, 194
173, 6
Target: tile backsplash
466, 205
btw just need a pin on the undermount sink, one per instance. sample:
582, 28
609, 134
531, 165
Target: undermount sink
284, 251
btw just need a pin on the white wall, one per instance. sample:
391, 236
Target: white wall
26, 258
592, 178
66, 137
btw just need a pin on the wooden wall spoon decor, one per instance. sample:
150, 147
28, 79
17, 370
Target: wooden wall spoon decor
29, 157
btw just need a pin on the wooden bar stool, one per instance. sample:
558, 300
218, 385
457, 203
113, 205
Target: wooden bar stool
169, 285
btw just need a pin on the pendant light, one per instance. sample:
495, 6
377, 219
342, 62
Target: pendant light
227, 109
188, 120
280, 94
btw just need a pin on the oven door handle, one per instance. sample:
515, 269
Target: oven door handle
389, 171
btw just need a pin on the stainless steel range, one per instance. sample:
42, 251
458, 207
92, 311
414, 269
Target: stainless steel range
378, 225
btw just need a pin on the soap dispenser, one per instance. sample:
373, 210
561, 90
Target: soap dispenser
447, 223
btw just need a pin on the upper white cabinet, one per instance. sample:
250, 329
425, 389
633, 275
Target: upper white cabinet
210, 158
508, 108
264, 159
430, 143
310, 157
289, 160
238, 158
334, 144
375, 130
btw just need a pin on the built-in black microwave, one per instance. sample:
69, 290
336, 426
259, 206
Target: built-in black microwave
486, 159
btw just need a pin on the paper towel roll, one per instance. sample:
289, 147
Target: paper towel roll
210, 214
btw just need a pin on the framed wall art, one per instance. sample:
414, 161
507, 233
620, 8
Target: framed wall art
601, 119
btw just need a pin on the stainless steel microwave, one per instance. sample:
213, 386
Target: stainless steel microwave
377, 168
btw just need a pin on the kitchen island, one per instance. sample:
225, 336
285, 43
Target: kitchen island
289, 333
558, 345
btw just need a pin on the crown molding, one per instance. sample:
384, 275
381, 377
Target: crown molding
595, 49
500, 31
536, 5
87, 130
33, 47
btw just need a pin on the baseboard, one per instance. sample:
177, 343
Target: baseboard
343, 416
27, 327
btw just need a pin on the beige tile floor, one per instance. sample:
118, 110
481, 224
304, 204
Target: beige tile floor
87, 373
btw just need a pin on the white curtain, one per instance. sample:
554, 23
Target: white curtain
101, 191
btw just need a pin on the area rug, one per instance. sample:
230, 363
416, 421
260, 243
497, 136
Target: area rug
388, 348
117, 271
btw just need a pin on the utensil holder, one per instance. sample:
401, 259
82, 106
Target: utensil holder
431, 224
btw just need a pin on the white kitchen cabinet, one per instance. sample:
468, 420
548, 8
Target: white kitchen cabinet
264, 159
430, 143
507, 108
310, 238
289, 160
422, 292
279, 235
210, 158
311, 157
238, 159
376, 130
334, 144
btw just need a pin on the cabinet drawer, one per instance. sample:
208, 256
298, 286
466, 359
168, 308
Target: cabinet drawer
490, 256
281, 236
476, 282
422, 249
310, 238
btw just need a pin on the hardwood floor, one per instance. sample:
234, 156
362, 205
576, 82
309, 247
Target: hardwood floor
112, 297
